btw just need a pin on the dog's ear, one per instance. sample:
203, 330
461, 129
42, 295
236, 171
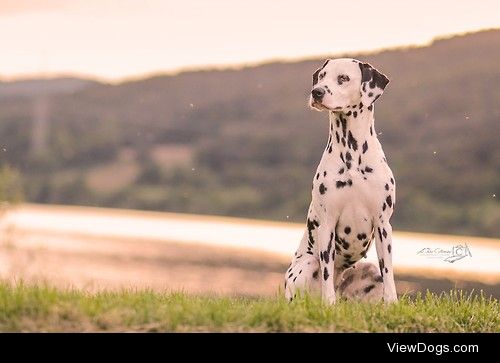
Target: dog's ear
373, 83
316, 73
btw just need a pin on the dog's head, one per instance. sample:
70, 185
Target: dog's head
342, 83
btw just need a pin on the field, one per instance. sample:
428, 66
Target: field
93, 269
42, 308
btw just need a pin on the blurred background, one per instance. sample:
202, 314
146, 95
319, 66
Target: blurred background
199, 108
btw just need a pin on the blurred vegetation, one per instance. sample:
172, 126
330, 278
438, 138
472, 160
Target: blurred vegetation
10, 185
244, 143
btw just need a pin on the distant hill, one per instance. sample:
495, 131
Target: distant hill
244, 143
36, 87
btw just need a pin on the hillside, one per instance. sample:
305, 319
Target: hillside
244, 143
38, 87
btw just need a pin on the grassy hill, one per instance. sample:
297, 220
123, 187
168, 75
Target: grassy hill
242, 142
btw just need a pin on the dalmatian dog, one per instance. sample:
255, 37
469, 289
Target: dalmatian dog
353, 193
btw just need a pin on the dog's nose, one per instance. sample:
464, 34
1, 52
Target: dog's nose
318, 93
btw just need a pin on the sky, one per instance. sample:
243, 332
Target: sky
116, 39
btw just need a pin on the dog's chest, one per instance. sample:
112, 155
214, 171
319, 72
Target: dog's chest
349, 192
352, 177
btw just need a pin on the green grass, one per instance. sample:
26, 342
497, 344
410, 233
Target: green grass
43, 308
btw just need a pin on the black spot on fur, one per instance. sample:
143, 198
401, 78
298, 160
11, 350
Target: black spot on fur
384, 233
381, 264
344, 126
368, 288
342, 157
341, 171
349, 182
348, 156
337, 137
370, 108
368, 169
365, 146
386, 270
347, 230
389, 248
352, 142
326, 256
355, 114
348, 164
387, 187
311, 225
389, 201
370, 94
349, 113
361, 236
315, 274
322, 188
340, 184
359, 160
379, 233
341, 241
379, 279
384, 206
392, 181
325, 274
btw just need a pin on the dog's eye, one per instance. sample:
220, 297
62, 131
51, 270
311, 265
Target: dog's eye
343, 78
322, 75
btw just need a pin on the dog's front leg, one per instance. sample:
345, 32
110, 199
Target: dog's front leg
326, 259
383, 237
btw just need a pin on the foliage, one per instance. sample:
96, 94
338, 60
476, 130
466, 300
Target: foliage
10, 185
255, 144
